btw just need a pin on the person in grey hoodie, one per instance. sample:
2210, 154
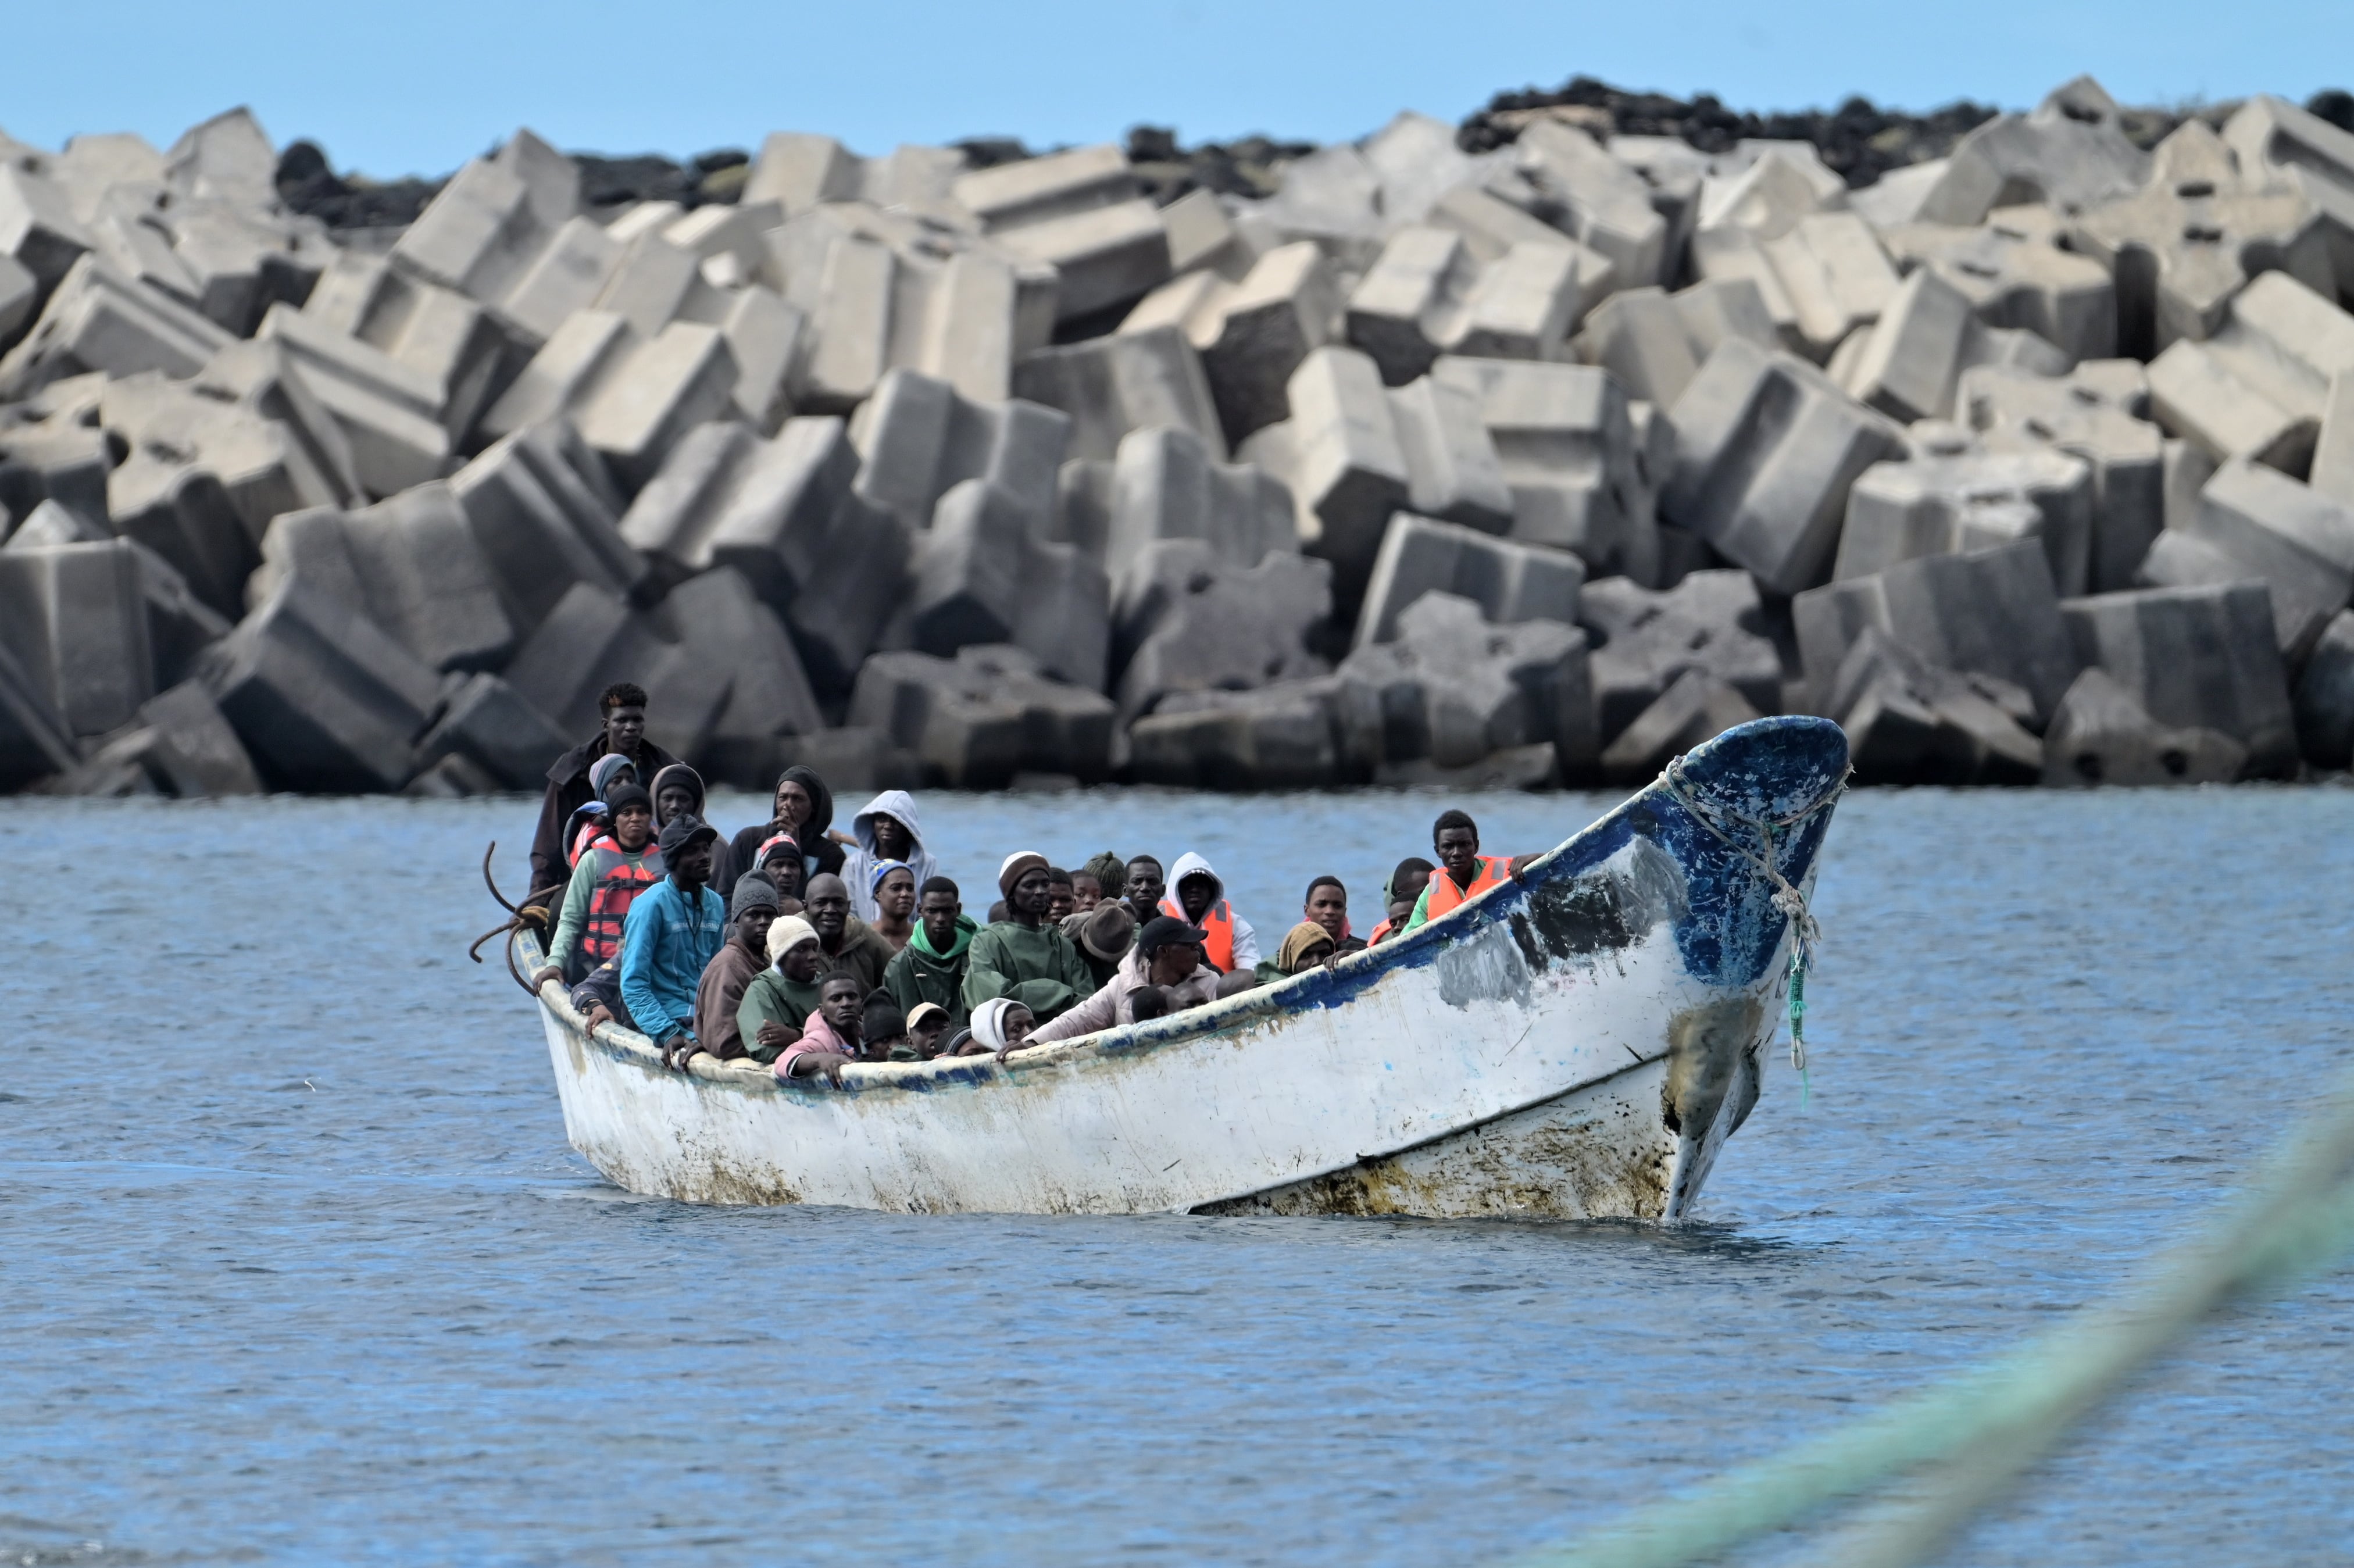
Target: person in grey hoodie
884, 829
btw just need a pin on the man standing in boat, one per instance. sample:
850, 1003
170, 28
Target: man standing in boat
568, 787
1463, 872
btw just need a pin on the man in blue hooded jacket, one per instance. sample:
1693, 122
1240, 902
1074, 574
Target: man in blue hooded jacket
670, 936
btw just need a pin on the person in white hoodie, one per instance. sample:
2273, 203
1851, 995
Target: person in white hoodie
1197, 896
884, 829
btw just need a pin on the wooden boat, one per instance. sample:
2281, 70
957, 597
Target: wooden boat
1577, 1044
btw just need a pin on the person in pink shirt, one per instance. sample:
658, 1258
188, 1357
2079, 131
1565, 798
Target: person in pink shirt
833, 1036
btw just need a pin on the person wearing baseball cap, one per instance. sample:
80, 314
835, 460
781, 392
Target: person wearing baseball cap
672, 934
1025, 956
1167, 956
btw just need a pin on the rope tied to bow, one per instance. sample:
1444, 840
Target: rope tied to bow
1787, 900
532, 914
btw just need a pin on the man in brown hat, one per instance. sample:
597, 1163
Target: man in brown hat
1025, 956
1103, 935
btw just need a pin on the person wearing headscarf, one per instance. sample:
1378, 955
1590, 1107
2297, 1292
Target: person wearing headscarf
1000, 1026
593, 821
803, 807
1305, 946
893, 883
1025, 956
929, 970
1167, 955
884, 829
782, 996
751, 910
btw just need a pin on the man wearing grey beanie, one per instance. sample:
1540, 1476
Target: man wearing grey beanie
752, 908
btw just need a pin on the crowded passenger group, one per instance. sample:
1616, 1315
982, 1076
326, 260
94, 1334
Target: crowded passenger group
805, 947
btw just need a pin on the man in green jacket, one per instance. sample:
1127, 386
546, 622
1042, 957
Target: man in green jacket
931, 966
1025, 956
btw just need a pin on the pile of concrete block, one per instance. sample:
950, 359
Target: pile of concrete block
1536, 455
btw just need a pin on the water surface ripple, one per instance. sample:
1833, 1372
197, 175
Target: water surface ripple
299, 1268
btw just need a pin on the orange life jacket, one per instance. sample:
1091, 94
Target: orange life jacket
1218, 924
609, 906
1494, 870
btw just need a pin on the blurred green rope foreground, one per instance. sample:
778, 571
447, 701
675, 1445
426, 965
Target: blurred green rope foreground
1970, 1439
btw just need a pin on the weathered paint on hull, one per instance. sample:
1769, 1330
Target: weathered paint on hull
1578, 1045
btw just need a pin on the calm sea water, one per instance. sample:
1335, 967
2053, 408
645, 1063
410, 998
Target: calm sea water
298, 1267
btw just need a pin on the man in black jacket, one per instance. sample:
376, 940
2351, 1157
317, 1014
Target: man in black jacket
624, 707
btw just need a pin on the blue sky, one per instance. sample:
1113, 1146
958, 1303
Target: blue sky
419, 87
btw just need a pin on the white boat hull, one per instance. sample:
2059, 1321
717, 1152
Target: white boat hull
1575, 1047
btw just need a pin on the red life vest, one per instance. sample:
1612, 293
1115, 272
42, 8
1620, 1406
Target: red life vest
1494, 871
1218, 924
609, 906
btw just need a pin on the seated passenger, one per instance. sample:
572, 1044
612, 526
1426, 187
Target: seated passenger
1305, 947
594, 821
930, 969
1148, 1001
1003, 1025
1168, 954
1060, 897
1199, 899
833, 1036
1023, 956
781, 860
751, 910
782, 996
1143, 888
677, 791
884, 829
598, 999
895, 903
670, 936
848, 944
927, 1025
608, 880
886, 1030
802, 807
1106, 873
1327, 904
1463, 872
1104, 935
1398, 895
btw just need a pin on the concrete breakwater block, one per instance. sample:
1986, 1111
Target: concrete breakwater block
75, 619
1645, 640
974, 720
1766, 449
2196, 658
323, 698
1509, 582
2100, 735
2099, 413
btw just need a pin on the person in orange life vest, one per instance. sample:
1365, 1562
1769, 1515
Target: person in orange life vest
1399, 896
1463, 872
1199, 899
613, 872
